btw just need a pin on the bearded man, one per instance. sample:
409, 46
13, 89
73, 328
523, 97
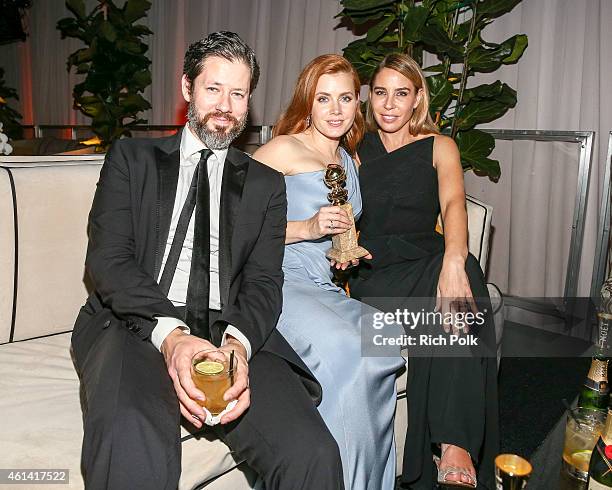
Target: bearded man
186, 240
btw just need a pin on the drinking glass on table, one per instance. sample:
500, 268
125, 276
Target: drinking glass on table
583, 428
212, 372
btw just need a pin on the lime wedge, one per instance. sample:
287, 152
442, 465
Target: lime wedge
209, 367
581, 459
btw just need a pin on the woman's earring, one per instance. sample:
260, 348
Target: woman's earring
308, 120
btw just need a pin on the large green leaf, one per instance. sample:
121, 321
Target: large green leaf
518, 48
140, 30
478, 112
475, 146
136, 9
485, 59
495, 8
437, 41
414, 20
440, 91
89, 100
92, 110
497, 90
375, 32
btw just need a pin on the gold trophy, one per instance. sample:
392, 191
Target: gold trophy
345, 247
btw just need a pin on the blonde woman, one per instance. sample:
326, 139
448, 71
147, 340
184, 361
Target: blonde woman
409, 174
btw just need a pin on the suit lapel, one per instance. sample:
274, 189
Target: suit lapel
234, 175
167, 181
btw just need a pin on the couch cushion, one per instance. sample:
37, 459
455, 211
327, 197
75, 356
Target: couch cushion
52, 204
41, 422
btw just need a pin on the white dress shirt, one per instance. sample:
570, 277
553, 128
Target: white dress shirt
189, 157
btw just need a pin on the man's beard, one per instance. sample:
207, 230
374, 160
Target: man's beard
222, 136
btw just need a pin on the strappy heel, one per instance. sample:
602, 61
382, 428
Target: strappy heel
443, 474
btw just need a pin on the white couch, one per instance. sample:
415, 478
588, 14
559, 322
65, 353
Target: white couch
44, 203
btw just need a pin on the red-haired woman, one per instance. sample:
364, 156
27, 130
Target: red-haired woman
323, 125
409, 174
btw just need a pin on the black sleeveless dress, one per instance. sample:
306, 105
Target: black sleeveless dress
450, 399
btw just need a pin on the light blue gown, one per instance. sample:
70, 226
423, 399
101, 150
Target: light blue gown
322, 324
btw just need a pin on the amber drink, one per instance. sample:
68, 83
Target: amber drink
213, 376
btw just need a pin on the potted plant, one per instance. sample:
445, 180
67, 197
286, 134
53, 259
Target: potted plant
114, 63
452, 31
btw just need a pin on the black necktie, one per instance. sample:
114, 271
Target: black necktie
196, 312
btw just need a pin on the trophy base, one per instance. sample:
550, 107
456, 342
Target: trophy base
342, 256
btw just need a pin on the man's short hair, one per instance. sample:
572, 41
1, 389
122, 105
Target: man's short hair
224, 44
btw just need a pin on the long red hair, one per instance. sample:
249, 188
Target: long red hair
293, 120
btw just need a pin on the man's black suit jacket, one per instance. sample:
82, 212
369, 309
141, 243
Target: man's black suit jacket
128, 229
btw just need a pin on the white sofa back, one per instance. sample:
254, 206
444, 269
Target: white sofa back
42, 254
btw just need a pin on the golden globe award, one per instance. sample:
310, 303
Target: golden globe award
345, 247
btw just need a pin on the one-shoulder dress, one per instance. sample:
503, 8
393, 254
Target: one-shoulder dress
450, 399
322, 325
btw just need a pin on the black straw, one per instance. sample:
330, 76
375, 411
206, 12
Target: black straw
231, 366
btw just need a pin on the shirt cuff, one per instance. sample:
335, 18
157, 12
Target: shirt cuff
164, 326
239, 336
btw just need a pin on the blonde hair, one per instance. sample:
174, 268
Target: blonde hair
420, 122
293, 120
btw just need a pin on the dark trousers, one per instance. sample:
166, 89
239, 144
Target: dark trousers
131, 419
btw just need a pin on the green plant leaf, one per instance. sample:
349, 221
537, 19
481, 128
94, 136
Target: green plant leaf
140, 30
440, 91
142, 79
89, 100
92, 110
497, 90
437, 41
414, 21
490, 57
496, 8
390, 38
475, 146
439, 68
69, 27
363, 57
462, 31
478, 112
374, 33
84, 55
360, 5
107, 31
77, 7
135, 9
518, 48
134, 103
